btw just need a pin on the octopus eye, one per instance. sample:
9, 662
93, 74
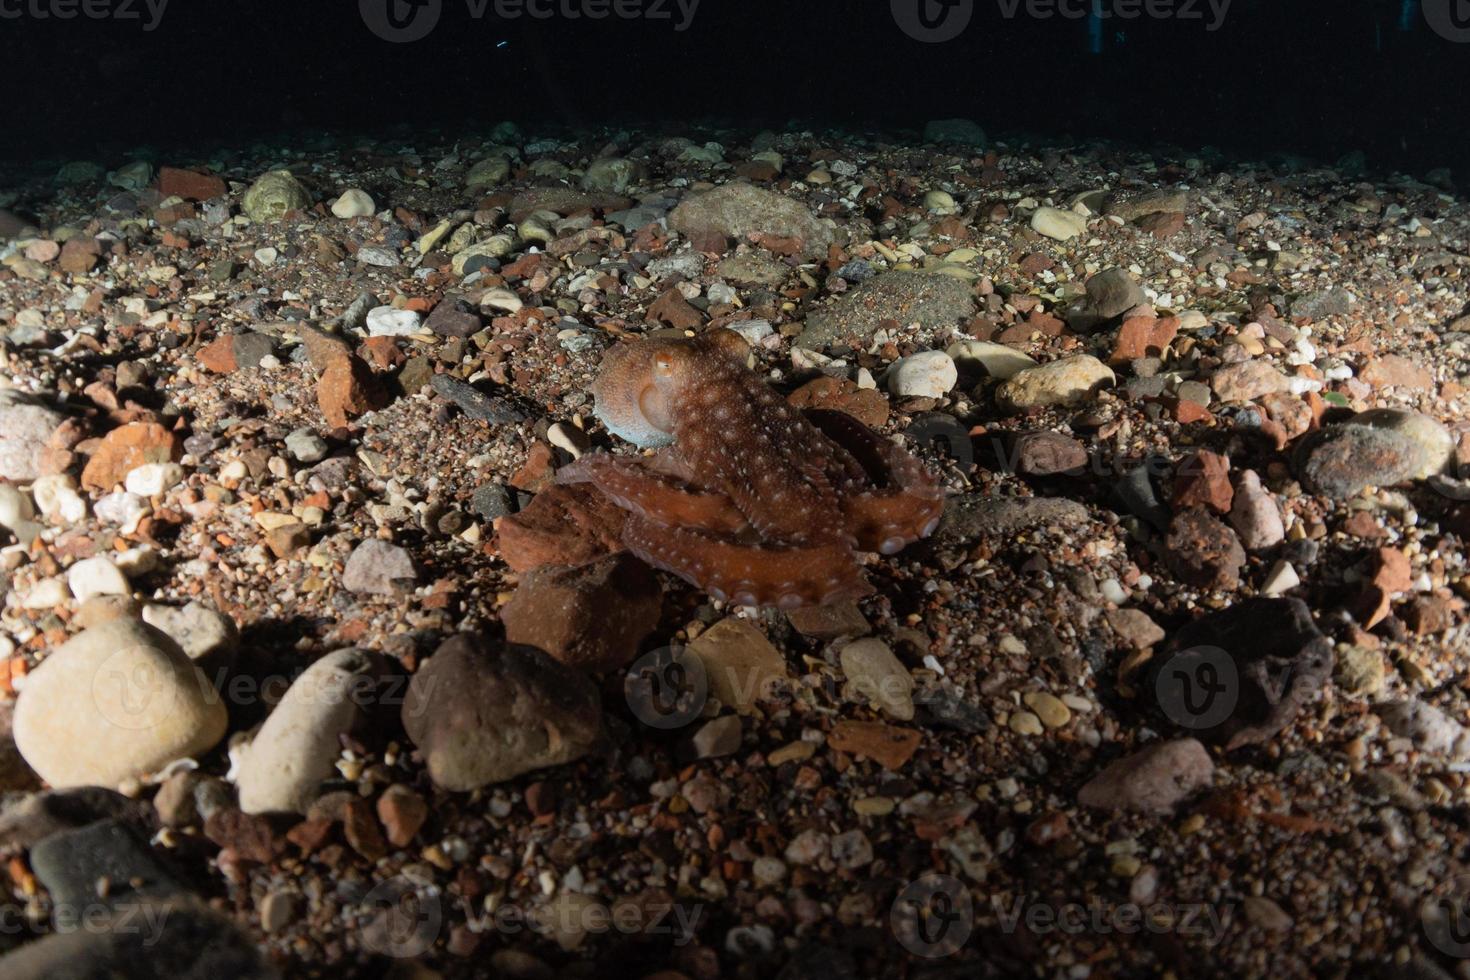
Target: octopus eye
663, 366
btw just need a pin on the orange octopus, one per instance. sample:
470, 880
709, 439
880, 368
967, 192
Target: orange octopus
749, 499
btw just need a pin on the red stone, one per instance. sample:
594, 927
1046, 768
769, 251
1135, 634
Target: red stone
1204, 480
565, 525
192, 186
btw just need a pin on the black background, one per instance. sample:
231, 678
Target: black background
1284, 76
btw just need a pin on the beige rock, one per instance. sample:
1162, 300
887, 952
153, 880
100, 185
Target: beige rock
740, 663
1069, 381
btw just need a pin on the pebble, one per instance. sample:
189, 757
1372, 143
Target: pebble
736, 210
113, 703
935, 302
1358, 671
26, 425
1113, 292
488, 172
283, 767
1280, 579
483, 716
717, 738
376, 567
742, 666
122, 509
206, 636
996, 360
354, 204
1202, 550
928, 374
613, 175
875, 676
939, 202
1255, 515
57, 499
1152, 781
305, 446
1433, 438
1049, 708
593, 617
403, 813
1025, 723
15, 507
1344, 460
96, 576
378, 257
385, 321
1066, 382
1058, 224
154, 479
1247, 381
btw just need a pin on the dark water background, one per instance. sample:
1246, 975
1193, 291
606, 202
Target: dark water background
1319, 78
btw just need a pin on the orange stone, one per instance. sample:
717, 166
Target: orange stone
126, 448
888, 745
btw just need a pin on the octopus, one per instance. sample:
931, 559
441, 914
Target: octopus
747, 498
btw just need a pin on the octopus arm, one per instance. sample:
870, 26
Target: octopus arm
637, 485
788, 577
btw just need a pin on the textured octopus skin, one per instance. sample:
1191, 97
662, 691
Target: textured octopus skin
748, 498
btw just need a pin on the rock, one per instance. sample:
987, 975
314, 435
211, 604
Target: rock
613, 175
402, 813
1152, 781
753, 269
1335, 301
236, 352
742, 667
928, 374
377, 567
1272, 660
1359, 672
1436, 441
1135, 626
563, 525
126, 448
388, 322
1150, 202
996, 360
1255, 515
1162, 224
1396, 371
831, 622
975, 515
153, 479
1143, 336
1282, 578
11, 227
346, 389
738, 210
354, 203
1113, 292
296, 749
454, 317
70, 863
1066, 382
876, 676
488, 172
115, 702
273, 195
592, 617
1247, 381
26, 425
940, 202
1427, 727
1058, 224
192, 186
933, 301
868, 405
96, 576
1203, 480
965, 132
888, 745
27, 819
305, 446
207, 637
1343, 460
1202, 551
481, 717
475, 403
1047, 454
15, 507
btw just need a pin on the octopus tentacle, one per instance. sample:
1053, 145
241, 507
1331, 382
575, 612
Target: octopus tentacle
788, 577
636, 485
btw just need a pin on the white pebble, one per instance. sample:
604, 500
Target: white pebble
385, 321
928, 374
123, 509
153, 479
354, 204
15, 506
58, 500
96, 576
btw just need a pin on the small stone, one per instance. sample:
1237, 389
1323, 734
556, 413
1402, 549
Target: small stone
376, 567
867, 405
273, 195
481, 716
1342, 461
385, 321
1113, 292
592, 617
192, 186
26, 425
1203, 480
806, 847
1058, 224
888, 745
741, 665
206, 636
935, 302
281, 770
1135, 626
928, 374
939, 202
1266, 914
1025, 723
402, 813
612, 175
1255, 515
717, 738
354, 204
852, 850
1066, 382
1143, 336
877, 677
488, 172
996, 360
126, 448
15, 507
737, 210
1247, 381
1048, 454
1397, 371
1282, 578
1433, 438
1152, 781
278, 909
1359, 671
96, 576
454, 317
1049, 708
1203, 551
154, 479
115, 702
305, 446
563, 525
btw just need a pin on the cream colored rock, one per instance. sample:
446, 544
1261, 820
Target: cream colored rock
96, 576
283, 767
354, 204
997, 360
875, 675
116, 702
1058, 224
1069, 381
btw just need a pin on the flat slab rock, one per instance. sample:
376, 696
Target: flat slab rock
973, 516
1153, 780
931, 300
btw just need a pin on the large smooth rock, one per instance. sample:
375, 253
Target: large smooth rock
283, 767
115, 702
737, 210
1153, 780
1066, 382
481, 716
273, 195
932, 301
25, 426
